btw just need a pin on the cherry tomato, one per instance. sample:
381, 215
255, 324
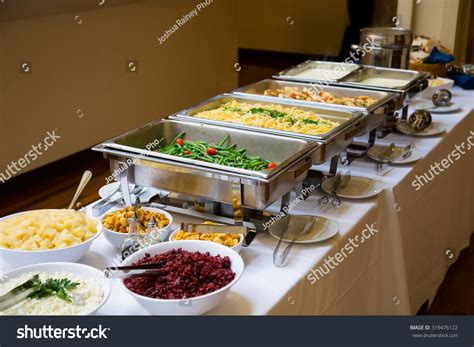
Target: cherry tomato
211, 151
179, 141
187, 152
272, 165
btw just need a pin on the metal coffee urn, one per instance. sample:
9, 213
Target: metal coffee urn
389, 47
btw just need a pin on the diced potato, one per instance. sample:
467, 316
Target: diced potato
45, 229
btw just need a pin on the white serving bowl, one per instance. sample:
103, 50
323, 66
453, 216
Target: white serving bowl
192, 306
116, 239
16, 258
237, 247
429, 91
80, 270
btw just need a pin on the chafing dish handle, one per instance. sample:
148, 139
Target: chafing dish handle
353, 132
300, 168
419, 86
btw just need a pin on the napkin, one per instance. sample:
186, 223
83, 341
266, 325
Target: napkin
438, 57
462, 80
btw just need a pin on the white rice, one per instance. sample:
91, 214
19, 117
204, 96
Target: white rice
86, 296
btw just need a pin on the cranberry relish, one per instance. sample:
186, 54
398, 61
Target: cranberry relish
185, 275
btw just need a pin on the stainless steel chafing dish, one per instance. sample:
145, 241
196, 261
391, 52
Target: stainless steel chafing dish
377, 111
213, 182
351, 123
330, 71
415, 81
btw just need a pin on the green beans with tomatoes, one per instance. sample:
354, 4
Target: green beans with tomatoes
222, 153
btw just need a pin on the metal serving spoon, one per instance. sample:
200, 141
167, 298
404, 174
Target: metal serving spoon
86, 177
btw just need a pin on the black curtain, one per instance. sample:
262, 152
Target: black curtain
360, 16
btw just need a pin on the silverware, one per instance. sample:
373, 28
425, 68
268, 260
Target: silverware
384, 157
279, 259
154, 269
419, 120
24, 290
16, 295
442, 97
136, 206
86, 177
284, 229
108, 198
405, 152
345, 180
387, 152
337, 180
98, 211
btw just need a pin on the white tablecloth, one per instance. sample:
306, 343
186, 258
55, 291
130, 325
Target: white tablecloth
393, 272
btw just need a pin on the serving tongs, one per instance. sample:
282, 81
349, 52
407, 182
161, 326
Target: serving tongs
280, 258
114, 198
385, 157
16, 295
338, 181
153, 269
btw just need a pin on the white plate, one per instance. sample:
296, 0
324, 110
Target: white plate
433, 130
105, 191
430, 107
453, 107
376, 150
322, 229
357, 188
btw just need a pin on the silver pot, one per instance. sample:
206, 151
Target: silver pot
389, 47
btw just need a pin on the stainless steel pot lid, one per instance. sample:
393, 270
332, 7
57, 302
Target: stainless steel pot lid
387, 37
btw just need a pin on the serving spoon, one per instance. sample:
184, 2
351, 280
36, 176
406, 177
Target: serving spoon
86, 177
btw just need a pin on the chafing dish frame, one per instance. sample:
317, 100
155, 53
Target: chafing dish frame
333, 141
233, 188
137, 140
377, 111
289, 74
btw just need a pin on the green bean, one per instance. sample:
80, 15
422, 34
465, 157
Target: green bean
225, 154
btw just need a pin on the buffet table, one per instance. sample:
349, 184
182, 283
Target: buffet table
416, 236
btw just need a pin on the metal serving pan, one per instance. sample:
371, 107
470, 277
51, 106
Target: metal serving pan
386, 101
416, 82
335, 71
208, 183
346, 118
357, 78
353, 123
282, 150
